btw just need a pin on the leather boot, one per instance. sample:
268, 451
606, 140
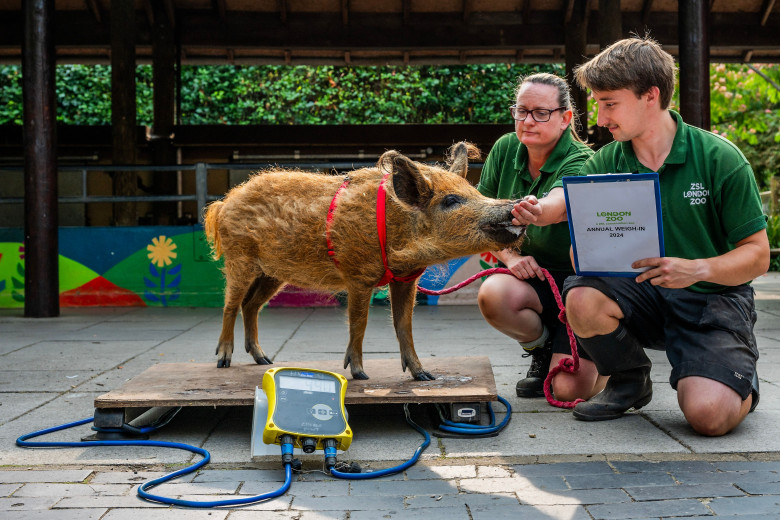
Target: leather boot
628, 389
533, 384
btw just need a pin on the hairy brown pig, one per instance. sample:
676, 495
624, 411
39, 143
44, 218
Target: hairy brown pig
271, 230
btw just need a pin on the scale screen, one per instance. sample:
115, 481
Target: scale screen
308, 403
307, 384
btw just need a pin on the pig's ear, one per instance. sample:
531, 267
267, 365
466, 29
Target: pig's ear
410, 185
458, 157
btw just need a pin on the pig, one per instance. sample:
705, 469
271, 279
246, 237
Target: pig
271, 231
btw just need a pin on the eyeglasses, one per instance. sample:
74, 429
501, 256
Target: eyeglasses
540, 115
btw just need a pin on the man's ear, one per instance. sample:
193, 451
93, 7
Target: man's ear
410, 185
653, 95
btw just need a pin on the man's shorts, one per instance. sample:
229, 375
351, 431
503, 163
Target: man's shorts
550, 311
704, 334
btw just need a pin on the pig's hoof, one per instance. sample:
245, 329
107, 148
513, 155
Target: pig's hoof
425, 376
262, 360
360, 375
223, 363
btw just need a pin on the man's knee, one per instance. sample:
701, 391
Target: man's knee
710, 407
585, 307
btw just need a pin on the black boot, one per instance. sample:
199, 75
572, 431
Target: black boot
620, 356
533, 384
628, 389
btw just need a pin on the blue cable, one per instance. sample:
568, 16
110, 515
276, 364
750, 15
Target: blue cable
395, 469
24, 443
473, 429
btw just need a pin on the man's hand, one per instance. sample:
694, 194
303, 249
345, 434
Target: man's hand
670, 272
525, 267
527, 211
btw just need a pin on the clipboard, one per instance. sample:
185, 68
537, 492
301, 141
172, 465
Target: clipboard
614, 220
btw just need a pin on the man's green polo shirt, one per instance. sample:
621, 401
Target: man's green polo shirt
709, 196
505, 175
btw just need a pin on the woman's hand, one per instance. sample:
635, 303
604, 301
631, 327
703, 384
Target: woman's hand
524, 267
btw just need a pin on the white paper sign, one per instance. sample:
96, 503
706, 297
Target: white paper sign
614, 220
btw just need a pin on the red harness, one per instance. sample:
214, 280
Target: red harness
381, 227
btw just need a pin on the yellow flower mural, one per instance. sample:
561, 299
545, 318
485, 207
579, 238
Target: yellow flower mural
161, 251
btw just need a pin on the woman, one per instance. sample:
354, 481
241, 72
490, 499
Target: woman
529, 164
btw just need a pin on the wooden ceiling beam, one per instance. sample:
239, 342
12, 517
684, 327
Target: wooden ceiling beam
766, 10
94, 8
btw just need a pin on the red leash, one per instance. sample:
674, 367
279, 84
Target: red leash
569, 365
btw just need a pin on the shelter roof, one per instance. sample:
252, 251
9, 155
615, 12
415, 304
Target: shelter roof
385, 31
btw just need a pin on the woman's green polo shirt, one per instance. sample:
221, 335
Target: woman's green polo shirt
709, 196
505, 175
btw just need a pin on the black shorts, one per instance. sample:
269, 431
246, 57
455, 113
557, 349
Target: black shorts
704, 334
550, 312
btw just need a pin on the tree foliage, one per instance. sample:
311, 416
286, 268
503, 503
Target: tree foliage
745, 99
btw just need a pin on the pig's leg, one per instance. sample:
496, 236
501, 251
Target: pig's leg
402, 304
261, 290
234, 293
358, 301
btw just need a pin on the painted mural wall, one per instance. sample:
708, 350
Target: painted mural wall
171, 266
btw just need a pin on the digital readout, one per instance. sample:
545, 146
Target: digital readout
306, 384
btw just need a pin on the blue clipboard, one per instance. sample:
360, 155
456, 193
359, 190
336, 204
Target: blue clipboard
614, 220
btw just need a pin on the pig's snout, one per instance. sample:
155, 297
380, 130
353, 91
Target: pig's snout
500, 225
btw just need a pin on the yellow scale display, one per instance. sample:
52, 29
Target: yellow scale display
307, 404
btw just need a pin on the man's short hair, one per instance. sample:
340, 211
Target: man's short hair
636, 63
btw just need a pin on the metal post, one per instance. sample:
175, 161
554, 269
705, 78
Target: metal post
41, 280
201, 188
694, 62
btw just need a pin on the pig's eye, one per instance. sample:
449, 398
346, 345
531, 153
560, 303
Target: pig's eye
450, 201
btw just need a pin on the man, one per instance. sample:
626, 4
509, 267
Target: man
695, 303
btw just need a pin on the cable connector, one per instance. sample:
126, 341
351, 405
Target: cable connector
287, 449
329, 446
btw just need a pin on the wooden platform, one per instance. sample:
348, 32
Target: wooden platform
459, 379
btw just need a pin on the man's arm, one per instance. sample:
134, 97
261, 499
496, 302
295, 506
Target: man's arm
541, 212
747, 261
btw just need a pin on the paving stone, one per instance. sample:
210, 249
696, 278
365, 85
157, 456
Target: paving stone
748, 466
7, 489
281, 503
348, 503
48, 490
512, 484
131, 501
663, 508
759, 488
572, 496
566, 512
62, 514
244, 475
26, 503
445, 513
13, 476
298, 488
753, 505
563, 469
493, 472
419, 471
496, 499
166, 514
304, 515
196, 488
131, 477
683, 491
655, 478
405, 488
673, 466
